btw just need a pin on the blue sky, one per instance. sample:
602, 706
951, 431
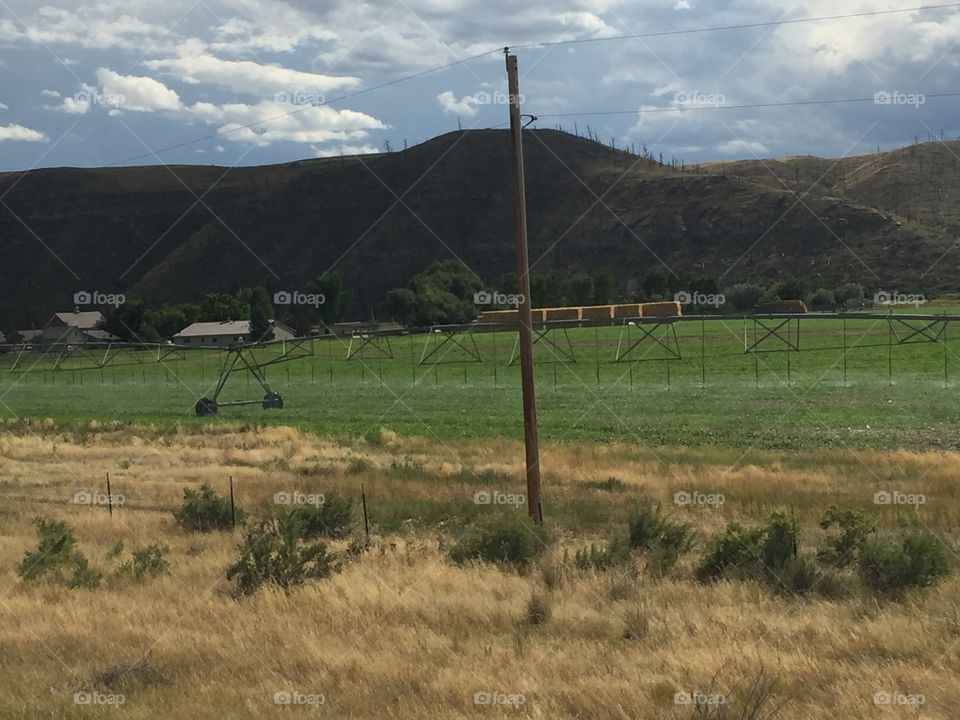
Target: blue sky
91, 84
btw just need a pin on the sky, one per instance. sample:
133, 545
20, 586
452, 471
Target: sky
250, 82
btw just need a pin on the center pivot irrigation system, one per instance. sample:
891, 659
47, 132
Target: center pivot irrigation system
245, 356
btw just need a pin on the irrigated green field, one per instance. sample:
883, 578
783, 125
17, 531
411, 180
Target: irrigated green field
852, 383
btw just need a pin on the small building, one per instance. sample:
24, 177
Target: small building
74, 328
225, 333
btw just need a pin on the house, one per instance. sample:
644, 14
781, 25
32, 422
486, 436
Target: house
225, 333
74, 328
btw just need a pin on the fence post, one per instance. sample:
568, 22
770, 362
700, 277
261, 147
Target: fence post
233, 509
109, 496
366, 522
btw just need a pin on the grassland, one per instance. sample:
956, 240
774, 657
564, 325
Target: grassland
402, 631
848, 386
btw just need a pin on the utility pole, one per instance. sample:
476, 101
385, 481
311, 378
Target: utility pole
524, 317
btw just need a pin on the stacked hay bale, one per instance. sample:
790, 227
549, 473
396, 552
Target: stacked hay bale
661, 309
782, 306
626, 311
561, 313
596, 312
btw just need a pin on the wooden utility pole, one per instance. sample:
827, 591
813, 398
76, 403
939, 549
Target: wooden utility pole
524, 318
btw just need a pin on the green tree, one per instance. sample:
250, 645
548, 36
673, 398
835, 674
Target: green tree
655, 284
336, 298
261, 313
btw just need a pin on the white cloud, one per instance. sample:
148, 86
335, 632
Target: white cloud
19, 132
194, 65
73, 106
135, 93
683, 5
345, 150
467, 105
50, 93
742, 148
90, 26
4, 107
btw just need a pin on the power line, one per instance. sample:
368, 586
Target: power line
748, 106
742, 26
438, 68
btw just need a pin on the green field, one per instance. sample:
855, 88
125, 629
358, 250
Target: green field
851, 384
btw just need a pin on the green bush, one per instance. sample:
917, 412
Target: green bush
919, 560
735, 554
616, 553
611, 484
55, 555
780, 536
662, 539
331, 519
204, 511
147, 562
823, 299
842, 549
508, 537
271, 553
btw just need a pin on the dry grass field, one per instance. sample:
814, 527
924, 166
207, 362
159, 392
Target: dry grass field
404, 632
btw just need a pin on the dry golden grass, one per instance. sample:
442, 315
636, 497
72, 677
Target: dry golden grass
402, 632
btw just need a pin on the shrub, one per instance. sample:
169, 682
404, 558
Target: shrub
616, 552
843, 548
538, 609
55, 554
611, 484
919, 560
146, 562
736, 554
780, 536
271, 553
661, 538
331, 519
204, 511
509, 537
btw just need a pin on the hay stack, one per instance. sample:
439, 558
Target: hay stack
661, 309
